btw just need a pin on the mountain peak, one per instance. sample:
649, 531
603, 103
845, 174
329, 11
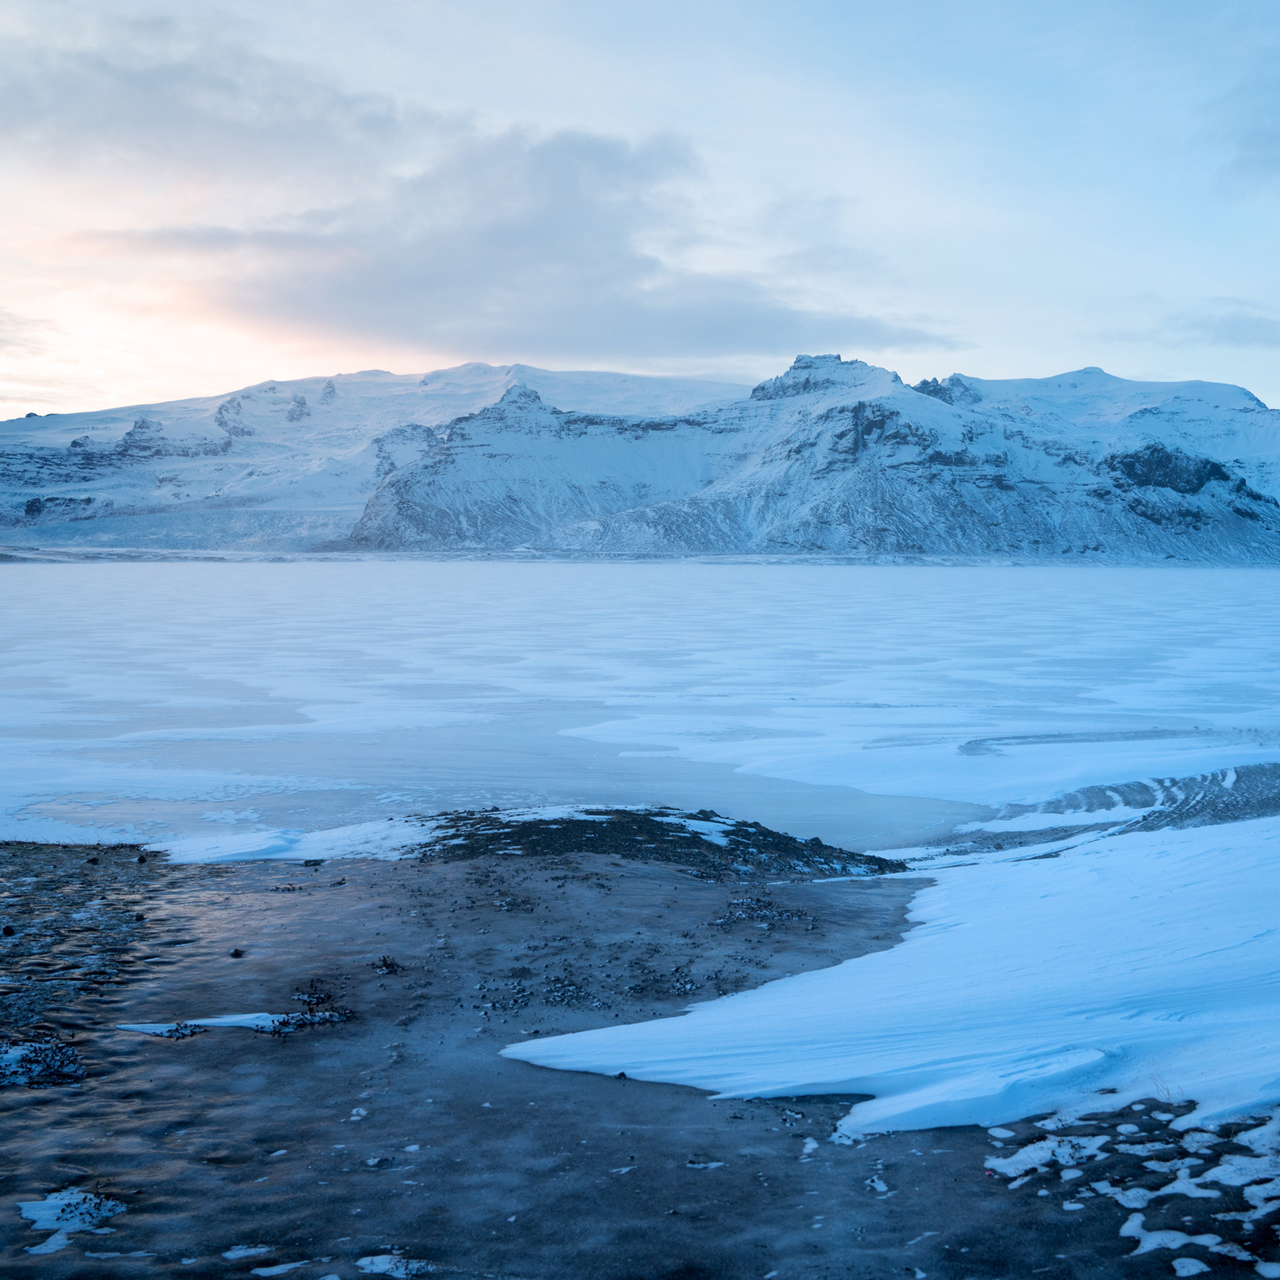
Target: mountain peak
810, 374
520, 395
952, 390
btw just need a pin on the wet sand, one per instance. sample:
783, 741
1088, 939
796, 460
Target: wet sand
399, 1140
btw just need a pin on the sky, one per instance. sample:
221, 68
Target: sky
196, 197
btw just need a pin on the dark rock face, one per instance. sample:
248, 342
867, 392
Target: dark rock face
952, 390
807, 375
230, 417
938, 390
61, 508
1157, 466
146, 440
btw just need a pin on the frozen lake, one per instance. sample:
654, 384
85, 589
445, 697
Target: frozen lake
868, 705
872, 706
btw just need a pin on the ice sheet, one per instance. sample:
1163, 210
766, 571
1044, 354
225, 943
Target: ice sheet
160, 699
1144, 964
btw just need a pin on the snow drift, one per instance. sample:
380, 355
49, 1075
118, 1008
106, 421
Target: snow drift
1133, 965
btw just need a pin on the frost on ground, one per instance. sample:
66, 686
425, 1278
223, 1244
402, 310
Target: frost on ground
388, 1264
39, 1064
63, 1212
1146, 1164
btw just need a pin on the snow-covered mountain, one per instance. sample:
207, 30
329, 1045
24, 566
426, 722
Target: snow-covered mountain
842, 457
283, 466
834, 456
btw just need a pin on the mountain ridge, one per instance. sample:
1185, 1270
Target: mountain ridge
831, 457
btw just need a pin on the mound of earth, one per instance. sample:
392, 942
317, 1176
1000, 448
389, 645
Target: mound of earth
704, 842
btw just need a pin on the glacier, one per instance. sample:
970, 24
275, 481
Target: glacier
832, 457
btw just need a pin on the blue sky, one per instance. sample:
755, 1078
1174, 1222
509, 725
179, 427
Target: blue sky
202, 196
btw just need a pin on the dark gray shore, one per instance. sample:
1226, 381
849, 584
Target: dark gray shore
398, 1142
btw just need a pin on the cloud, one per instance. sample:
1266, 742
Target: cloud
1248, 120
542, 246
1224, 322
19, 332
1238, 329
346, 213
190, 101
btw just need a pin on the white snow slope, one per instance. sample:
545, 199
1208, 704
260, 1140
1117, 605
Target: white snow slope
280, 466
1148, 964
833, 457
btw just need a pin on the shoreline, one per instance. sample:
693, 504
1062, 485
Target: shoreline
401, 1136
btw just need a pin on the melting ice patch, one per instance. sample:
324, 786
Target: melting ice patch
389, 1264
273, 1023
1126, 963
63, 1212
386, 839
253, 1021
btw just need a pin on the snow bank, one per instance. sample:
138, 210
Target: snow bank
1144, 964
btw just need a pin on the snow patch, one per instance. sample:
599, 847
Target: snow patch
389, 1264
387, 839
63, 1212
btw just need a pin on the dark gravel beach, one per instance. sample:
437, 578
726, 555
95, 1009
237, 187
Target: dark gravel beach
392, 1139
